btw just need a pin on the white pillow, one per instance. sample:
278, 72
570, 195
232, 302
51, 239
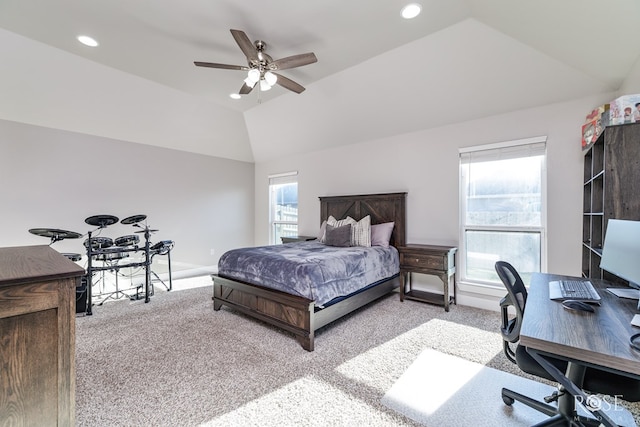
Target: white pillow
339, 223
322, 234
361, 232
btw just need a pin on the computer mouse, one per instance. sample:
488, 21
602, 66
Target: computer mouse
577, 305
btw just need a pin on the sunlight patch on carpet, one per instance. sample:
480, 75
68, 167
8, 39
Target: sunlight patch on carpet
439, 389
308, 401
378, 367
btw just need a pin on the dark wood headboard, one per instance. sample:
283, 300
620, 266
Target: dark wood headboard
381, 207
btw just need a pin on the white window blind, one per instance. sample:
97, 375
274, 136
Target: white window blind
283, 178
502, 209
504, 151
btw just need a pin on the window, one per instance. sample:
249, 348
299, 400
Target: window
283, 206
502, 215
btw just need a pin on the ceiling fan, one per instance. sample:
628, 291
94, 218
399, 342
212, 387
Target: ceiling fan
261, 68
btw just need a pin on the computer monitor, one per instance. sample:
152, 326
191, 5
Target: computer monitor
621, 250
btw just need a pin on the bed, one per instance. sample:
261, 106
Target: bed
301, 315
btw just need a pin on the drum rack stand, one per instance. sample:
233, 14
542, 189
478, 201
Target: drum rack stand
91, 269
168, 245
114, 294
160, 248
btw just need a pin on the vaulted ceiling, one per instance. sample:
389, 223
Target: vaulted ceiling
377, 74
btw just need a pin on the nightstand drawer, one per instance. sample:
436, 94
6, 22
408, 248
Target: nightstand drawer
415, 260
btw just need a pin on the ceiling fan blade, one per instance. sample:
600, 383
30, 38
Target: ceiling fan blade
245, 44
293, 61
223, 66
289, 84
245, 89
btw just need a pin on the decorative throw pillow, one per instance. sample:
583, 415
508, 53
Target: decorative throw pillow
361, 232
338, 236
321, 233
338, 223
335, 223
381, 234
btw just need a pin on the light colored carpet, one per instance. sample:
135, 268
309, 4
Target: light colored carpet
460, 384
176, 362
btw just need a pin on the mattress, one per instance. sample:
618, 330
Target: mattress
311, 270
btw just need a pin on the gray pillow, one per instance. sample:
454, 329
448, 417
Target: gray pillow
338, 236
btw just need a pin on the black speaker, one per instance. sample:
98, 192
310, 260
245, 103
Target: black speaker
81, 295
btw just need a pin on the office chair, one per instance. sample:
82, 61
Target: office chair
594, 380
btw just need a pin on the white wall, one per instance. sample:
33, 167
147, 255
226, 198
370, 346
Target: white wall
631, 84
56, 179
49, 87
425, 164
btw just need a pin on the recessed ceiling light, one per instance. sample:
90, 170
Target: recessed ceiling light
411, 11
235, 96
88, 41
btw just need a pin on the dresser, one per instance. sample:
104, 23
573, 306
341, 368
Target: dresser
37, 336
434, 260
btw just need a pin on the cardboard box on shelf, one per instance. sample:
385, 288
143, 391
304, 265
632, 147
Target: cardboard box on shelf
625, 109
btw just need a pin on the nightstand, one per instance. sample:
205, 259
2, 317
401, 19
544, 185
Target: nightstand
428, 259
291, 239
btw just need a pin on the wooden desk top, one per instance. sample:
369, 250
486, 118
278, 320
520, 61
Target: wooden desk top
600, 338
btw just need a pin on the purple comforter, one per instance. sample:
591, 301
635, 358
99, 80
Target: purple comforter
311, 269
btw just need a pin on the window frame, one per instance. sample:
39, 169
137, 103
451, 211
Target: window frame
279, 179
510, 147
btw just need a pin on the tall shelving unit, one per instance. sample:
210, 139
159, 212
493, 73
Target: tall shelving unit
611, 190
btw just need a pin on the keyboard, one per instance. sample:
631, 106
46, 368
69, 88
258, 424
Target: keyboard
581, 290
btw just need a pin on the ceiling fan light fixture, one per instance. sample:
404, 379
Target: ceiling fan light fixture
264, 85
235, 96
270, 78
253, 75
249, 82
410, 11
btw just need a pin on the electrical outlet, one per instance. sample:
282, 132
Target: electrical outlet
213, 252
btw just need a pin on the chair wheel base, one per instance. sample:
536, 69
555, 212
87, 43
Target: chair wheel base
510, 396
507, 400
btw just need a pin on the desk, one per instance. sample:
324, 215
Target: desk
600, 339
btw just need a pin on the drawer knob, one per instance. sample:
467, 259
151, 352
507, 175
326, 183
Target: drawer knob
417, 259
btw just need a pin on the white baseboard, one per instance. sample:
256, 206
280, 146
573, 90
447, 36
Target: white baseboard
189, 272
479, 301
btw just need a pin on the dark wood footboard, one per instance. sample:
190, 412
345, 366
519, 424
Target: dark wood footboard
289, 312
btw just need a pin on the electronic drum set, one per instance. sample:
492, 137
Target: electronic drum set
111, 251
